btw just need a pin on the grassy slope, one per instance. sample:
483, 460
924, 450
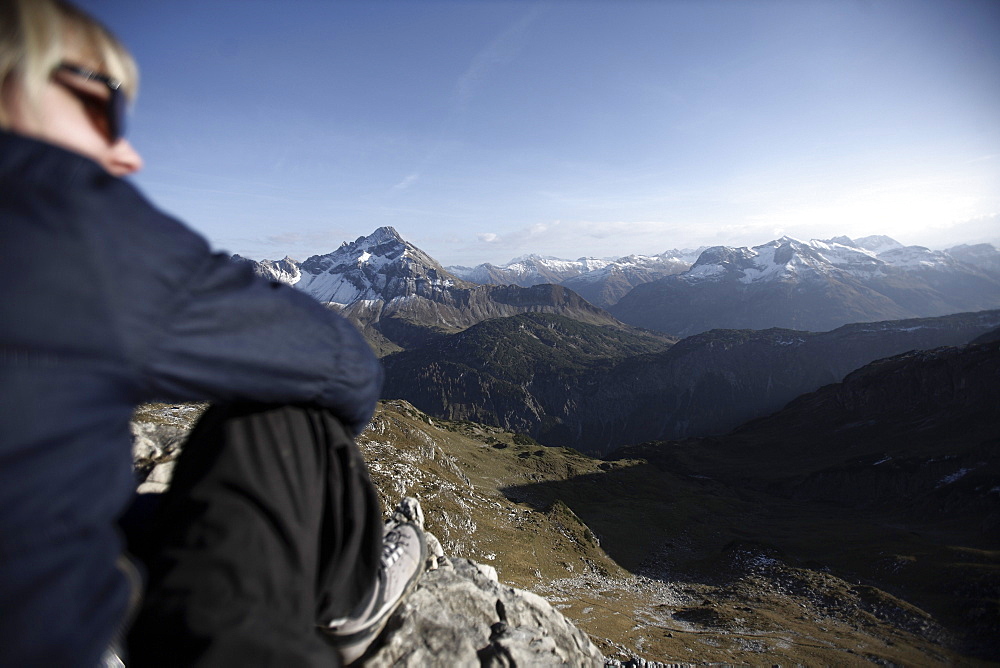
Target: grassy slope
730, 594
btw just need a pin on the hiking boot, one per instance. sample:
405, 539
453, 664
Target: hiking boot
404, 552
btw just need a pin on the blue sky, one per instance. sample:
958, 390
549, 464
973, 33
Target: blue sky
483, 130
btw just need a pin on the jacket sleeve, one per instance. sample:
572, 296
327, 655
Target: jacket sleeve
197, 326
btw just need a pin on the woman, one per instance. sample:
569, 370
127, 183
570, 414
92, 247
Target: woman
271, 525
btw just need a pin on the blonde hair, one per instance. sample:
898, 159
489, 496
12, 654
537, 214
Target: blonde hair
36, 35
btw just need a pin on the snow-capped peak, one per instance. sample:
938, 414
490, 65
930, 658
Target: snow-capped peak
918, 257
877, 243
369, 268
782, 259
381, 236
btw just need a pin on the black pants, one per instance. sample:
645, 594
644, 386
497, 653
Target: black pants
271, 524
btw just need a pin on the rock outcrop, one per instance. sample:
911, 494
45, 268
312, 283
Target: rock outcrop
461, 615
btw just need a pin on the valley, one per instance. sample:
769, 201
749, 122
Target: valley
667, 551
595, 388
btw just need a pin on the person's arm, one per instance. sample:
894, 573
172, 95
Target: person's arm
239, 337
198, 326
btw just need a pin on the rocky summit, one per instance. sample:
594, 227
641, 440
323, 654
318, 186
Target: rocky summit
460, 615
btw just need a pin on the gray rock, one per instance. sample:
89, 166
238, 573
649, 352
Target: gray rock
158, 479
459, 615
154, 443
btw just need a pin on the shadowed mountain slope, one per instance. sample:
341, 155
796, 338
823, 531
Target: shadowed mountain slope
520, 373
888, 480
597, 388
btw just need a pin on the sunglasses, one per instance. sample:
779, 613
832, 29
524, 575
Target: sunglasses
108, 113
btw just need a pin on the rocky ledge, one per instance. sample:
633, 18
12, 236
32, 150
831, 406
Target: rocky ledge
461, 615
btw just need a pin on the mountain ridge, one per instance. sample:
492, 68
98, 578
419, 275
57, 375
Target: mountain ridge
602, 281
707, 383
813, 286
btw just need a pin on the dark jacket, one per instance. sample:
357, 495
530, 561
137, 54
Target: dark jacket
109, 303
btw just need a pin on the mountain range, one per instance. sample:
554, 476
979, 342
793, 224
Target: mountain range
401, 298
805, 285
814, 286
543, 361
768, 494
602, 282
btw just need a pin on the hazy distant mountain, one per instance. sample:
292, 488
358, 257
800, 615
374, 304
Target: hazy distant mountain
876, 243
601, 281
528, 270
812, 286
984, 256
282, 271
593, 388
605, 286
399, 296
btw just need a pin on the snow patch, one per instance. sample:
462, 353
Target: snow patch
704, 271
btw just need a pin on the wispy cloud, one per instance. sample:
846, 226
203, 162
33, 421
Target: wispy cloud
298, 245
577, 238
503, 49
407, 181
